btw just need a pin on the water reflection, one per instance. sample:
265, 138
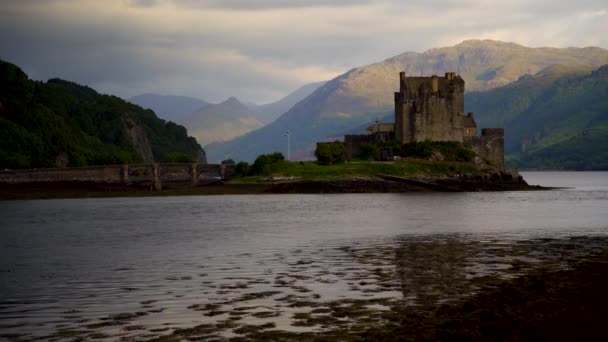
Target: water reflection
442, 268
321, 288
236, 265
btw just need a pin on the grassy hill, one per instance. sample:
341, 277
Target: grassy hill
60, 123
555, 119
358, 96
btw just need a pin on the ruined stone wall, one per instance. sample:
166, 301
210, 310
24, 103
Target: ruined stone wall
354, 141
490, 145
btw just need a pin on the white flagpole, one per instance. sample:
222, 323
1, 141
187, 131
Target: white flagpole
288, 134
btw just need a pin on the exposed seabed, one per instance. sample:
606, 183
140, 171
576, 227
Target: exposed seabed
427, 287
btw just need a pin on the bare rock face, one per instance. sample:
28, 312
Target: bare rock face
139, 140
201, 157
437, 156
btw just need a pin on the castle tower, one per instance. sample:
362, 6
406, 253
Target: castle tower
429, 108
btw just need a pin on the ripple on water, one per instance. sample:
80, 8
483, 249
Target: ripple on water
335, 261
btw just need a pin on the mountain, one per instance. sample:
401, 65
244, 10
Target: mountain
60, 123
219, 122
555, 119
269, 112
168, 107
358, 96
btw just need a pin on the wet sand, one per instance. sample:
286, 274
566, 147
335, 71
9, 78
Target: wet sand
444, 287
567, 305
452, 290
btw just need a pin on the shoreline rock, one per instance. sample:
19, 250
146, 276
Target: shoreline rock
500, 180
495, 181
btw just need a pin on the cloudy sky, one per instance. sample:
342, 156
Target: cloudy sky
260, 50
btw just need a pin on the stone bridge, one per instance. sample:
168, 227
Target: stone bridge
154, 174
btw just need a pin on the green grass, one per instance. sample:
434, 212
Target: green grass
402, 168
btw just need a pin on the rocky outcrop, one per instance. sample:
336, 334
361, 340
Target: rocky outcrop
497, 180
139, 139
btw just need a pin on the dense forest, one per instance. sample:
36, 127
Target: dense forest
60, 123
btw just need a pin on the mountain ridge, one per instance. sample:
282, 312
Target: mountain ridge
555, 119
269, 112
360, 94
218, 122
169, 107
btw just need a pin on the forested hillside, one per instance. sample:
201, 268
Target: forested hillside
60, 123
555, 119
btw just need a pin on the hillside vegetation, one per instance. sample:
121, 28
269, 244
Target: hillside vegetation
555, 119
359, 95
425, 159
60, 123
402, 168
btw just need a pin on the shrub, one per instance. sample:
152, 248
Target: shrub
262, 163
394, 145
331, 153
228, 162
450, 150
176, 157
242, 169
368, 152
114, 158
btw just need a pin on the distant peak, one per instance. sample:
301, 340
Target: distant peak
486, 42
232, 100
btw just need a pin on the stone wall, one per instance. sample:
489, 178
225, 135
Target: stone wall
106, 174
354, 141
154, 174
490, 145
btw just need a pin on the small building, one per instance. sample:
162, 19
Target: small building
380, 127
470, 126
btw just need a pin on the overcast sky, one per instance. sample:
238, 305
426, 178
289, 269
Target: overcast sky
260, 50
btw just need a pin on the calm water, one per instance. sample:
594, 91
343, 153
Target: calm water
139, 268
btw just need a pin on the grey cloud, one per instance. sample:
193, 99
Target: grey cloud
128, 56
267, 4
143, 3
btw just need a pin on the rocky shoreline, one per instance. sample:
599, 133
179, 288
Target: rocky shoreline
495, 181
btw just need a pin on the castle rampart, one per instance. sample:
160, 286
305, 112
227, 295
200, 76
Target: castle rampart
354, 141
490, 145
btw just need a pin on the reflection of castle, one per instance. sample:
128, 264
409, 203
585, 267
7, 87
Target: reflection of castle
432, 109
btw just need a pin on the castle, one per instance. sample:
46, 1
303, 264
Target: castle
432, 109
